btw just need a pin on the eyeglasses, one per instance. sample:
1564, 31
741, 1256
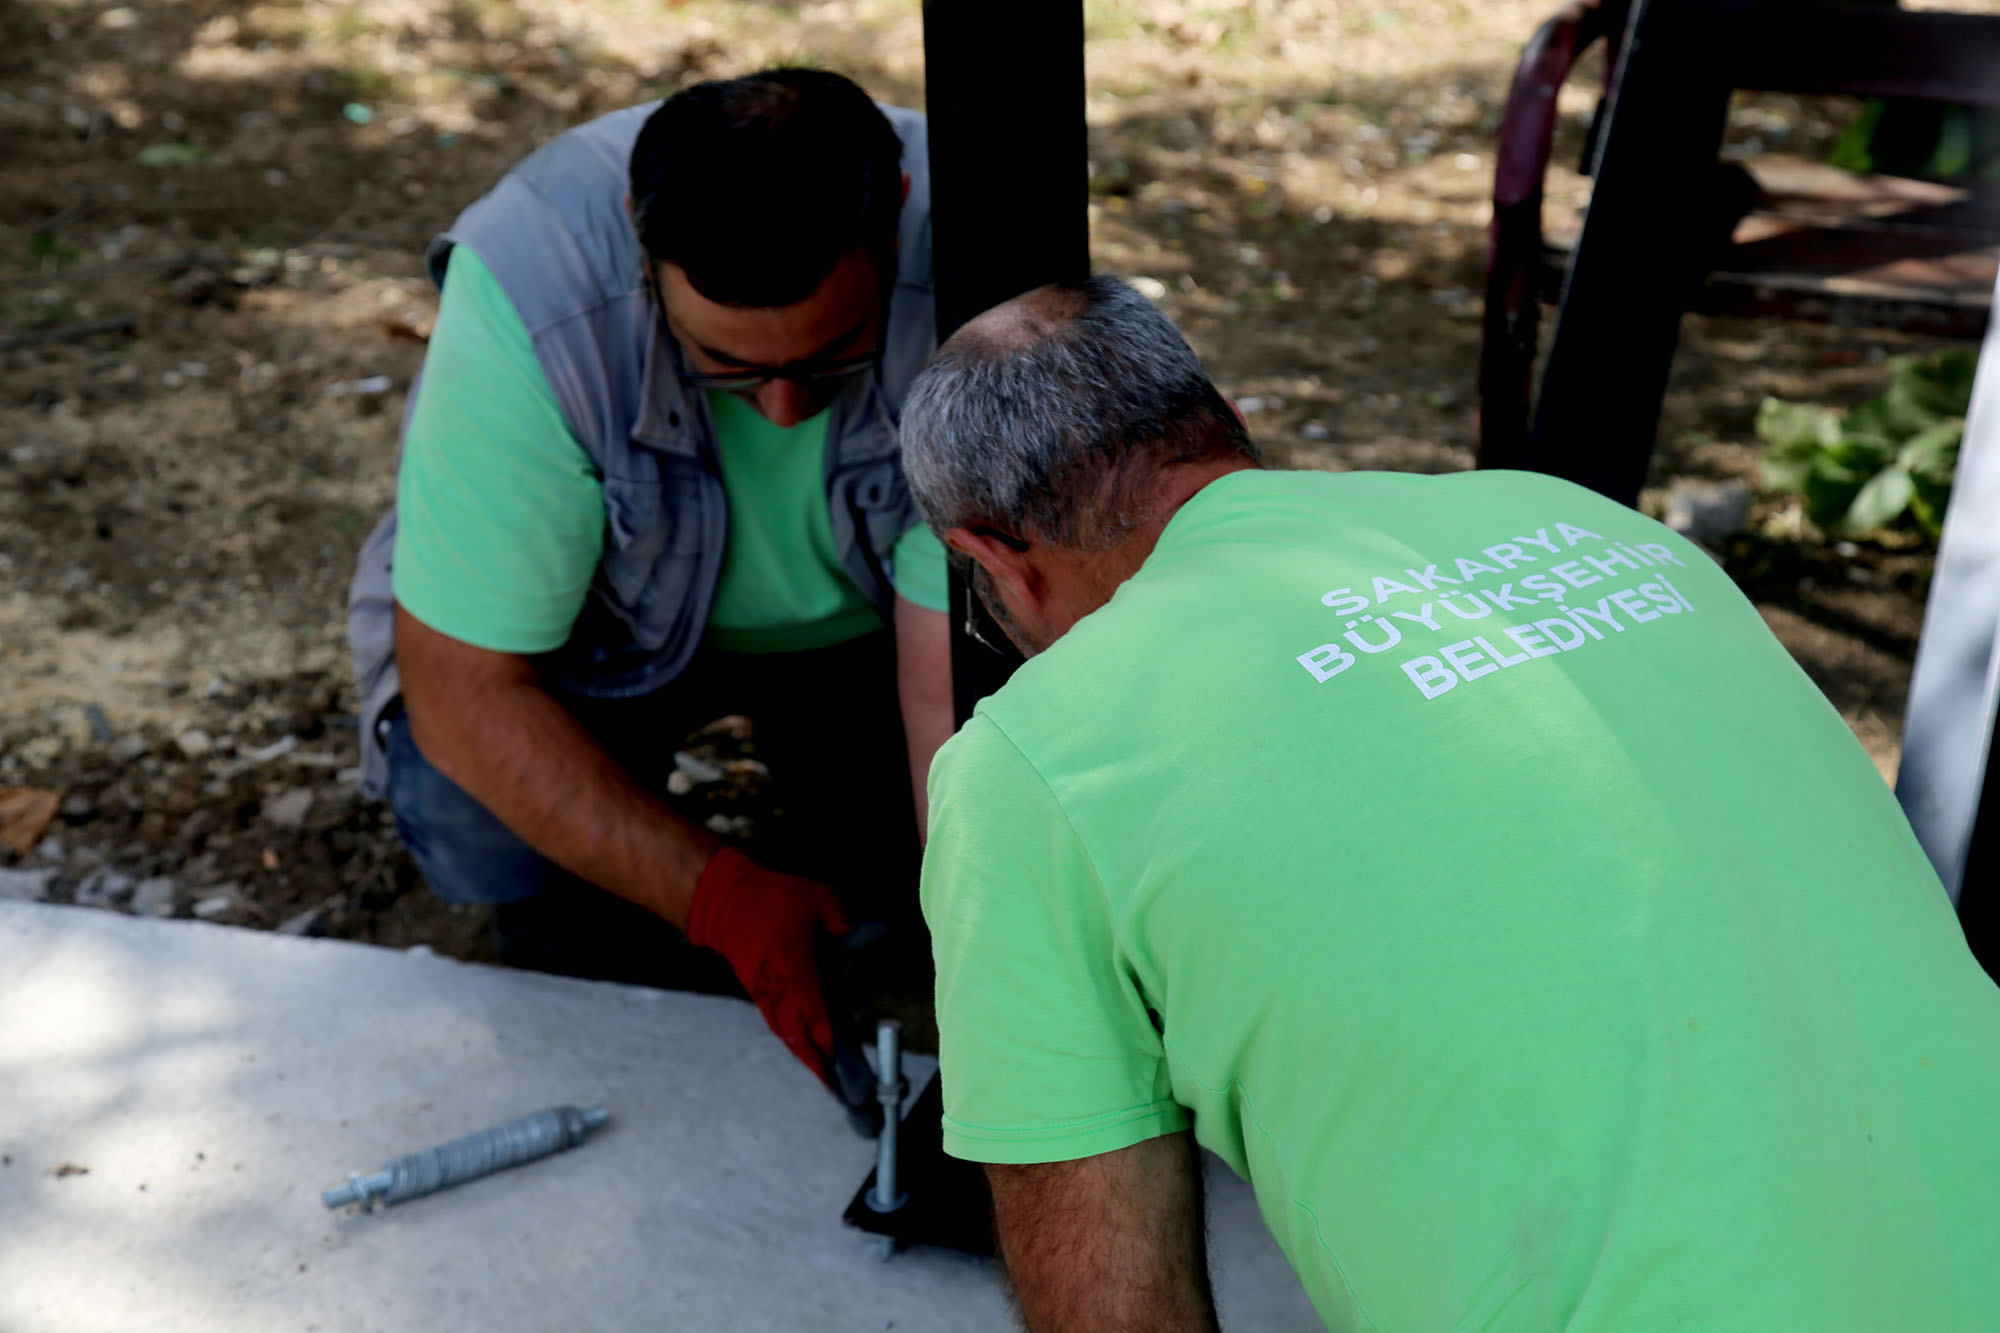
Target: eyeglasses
806, 374
976, 608
814, 373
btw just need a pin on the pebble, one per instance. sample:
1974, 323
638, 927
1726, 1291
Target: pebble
698, 769
312, 921
264, 754
194, 743
730, 826
1315, 430
49, 849
289, 809
155, 897
104, 888
679, 783
1707, 511
78, 808
210, 908
361, 388
28, 886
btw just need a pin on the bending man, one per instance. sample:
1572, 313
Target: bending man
1459, 857
649, 477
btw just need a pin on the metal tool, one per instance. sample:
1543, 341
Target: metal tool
841, 960
523, 1140
889, 1090
948, 1203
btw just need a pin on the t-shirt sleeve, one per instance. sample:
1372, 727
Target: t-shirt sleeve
918, 568
500, 516
1047, 1048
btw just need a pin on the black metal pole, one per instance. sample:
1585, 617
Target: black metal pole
1010, 197
1010, 194
1642, 249
1979, 886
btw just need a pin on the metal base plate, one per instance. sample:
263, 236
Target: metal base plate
946, 1199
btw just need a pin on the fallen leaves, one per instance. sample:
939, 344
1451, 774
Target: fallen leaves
25, 814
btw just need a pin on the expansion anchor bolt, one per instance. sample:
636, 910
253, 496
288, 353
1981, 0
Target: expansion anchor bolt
524, 1140
890, 1089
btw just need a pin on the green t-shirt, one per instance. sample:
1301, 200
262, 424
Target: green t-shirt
1465, 860
501, 515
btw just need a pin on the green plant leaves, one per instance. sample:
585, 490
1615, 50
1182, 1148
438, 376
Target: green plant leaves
1881, 501
172, 155
1933, 451
1796, 433
1941, 384
1892, 456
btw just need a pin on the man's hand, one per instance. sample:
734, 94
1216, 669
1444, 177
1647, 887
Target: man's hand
1107, 1244
765, 923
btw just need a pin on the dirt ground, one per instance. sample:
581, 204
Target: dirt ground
252, 182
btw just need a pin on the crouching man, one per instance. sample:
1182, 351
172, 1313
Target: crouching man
1459, 858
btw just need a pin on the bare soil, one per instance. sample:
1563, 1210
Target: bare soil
1302, 186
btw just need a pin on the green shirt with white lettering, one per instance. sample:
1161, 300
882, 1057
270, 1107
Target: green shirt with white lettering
500, 515
1465, 861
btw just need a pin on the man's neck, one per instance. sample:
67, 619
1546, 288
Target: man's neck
1174, 486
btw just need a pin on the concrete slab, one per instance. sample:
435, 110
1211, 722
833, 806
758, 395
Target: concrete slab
175, 1095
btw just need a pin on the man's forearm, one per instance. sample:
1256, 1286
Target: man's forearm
520, 754
1108, 1244
923, 684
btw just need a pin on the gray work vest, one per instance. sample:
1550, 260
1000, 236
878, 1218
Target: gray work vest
555, 234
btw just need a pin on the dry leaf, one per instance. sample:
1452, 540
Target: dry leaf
407, 329
25, 814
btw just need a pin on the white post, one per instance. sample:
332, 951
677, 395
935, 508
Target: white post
1948, 728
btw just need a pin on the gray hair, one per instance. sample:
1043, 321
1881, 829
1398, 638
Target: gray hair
1052, 418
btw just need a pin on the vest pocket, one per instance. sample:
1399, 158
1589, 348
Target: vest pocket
653, 548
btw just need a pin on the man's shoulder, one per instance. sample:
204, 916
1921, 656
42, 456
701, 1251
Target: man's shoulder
985, 768
554, 232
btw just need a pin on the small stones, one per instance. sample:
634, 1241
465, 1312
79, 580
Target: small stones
78, 809
698, 770
194, 742
1707, 511
104, 888
213, 906
28, 886
155, 897
312, 921
289, 809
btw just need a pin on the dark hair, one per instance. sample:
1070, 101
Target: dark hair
1055, 423
755, 186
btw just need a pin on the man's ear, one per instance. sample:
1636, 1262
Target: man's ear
1010, 567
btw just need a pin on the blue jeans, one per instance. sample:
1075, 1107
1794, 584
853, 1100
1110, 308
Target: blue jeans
828, 725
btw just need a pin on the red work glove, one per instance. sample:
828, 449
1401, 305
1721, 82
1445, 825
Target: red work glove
763, 923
